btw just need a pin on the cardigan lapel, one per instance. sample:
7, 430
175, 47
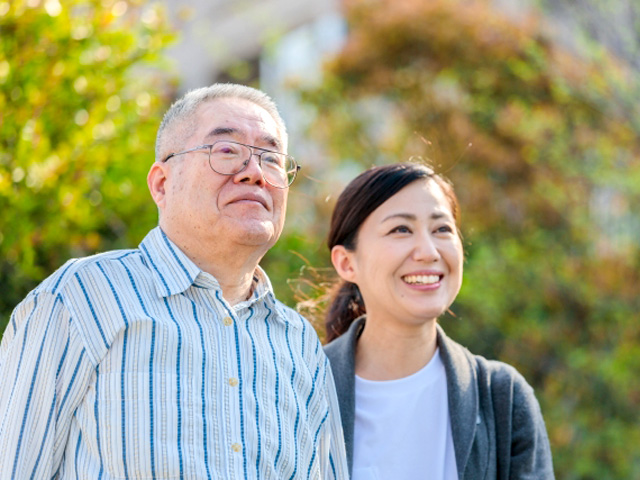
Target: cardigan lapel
342, 353
462, 386
462, 389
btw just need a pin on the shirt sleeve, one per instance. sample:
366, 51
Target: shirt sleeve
332, 448
44, 375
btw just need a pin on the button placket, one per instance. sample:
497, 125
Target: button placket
232, 381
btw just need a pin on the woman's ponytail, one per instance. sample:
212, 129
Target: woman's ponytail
345, 306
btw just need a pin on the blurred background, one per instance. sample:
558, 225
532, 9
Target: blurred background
528, 106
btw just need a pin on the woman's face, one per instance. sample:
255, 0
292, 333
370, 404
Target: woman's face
408, 257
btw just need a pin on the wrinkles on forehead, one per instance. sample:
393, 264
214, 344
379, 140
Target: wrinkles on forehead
240, 134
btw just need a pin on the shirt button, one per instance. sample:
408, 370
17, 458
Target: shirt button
227, 321
233, 381
236, 447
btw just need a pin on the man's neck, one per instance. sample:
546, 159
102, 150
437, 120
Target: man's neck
233, 266
235, 288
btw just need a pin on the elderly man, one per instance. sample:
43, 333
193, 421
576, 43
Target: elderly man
175, 360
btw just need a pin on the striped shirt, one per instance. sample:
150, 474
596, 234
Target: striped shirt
130, 364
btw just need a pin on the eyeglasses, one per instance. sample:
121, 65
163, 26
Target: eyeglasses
228, 158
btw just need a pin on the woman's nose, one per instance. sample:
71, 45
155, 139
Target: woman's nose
425, 249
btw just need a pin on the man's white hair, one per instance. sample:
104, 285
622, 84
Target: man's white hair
179, 123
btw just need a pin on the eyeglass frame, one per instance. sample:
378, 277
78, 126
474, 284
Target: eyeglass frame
245, 162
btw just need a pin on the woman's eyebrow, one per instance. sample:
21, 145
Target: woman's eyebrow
411, 216
405, 216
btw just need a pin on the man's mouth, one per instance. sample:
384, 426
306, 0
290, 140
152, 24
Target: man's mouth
250, 198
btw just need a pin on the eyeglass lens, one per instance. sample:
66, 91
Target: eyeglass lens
229, 158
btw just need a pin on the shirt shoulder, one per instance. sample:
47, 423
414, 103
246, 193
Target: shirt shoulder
290, 317
56, 299
97, 292
305, 331
64, 277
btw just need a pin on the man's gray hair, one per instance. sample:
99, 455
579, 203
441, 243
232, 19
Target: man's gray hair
179, 123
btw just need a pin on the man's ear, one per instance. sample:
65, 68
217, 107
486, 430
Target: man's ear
156, 180
343, 262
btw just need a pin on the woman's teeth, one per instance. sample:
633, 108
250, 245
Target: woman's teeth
421, 279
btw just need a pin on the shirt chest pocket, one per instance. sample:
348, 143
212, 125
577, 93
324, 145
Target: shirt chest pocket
140, 424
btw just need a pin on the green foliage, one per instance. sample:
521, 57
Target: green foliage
543, 148
81, 97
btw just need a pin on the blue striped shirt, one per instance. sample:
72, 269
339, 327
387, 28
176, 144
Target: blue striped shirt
130, 364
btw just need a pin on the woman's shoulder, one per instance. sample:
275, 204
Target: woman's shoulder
336, 345
506, 383
341, 351
494, 372
336, 348
498, 371
345, 343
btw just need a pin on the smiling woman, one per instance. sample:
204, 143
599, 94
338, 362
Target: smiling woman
407, 261
412, 400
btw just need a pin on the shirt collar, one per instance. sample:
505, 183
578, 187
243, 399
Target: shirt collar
262, 288
173, 272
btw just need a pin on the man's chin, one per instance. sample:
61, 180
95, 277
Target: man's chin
256, 233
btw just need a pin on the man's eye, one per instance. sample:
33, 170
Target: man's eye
226, 149
272, 159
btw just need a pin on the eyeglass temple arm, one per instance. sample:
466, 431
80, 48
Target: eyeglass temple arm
199, 147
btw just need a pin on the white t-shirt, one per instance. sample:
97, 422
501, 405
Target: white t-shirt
402, 428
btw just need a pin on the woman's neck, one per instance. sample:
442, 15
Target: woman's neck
389, 352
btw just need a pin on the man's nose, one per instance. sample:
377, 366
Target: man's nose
252, 173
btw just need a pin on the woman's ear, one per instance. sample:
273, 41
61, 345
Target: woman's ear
343, 261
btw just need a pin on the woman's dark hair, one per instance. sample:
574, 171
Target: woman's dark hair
357, 201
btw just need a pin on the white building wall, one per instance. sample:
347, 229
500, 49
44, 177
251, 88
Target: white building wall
214, 34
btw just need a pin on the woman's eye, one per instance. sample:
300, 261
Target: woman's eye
400, 229
444, 229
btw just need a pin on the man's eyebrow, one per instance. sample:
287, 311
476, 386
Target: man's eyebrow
220, 131
272, 141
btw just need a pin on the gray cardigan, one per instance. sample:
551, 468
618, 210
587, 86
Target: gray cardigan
498, 429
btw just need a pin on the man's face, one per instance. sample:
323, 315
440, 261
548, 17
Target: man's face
205, 208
